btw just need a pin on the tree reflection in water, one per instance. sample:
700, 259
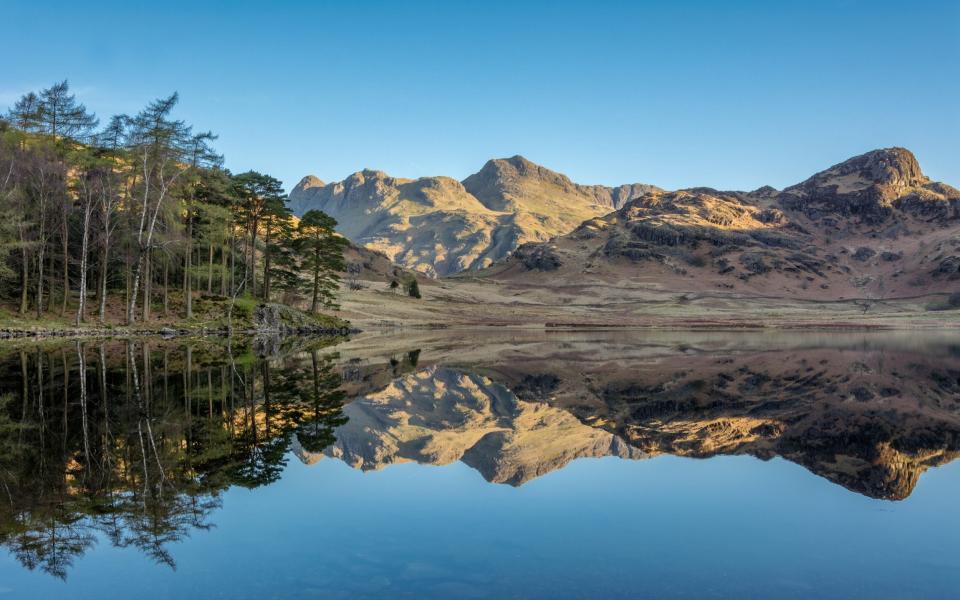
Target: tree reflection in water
136, 441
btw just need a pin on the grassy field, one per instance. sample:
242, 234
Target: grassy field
487, 303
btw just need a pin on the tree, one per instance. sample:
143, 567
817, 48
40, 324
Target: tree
413, 288
25, 114
322, 256
91, 186
61, 116
165, 149
9, 193
108, 203
277, 227
113, 135
257, 194
44, 187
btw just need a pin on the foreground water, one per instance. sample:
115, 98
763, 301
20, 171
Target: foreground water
468, 465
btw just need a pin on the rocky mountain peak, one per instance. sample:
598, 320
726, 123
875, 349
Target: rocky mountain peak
765, 191
373, 174
502, 182
895, 168
516, 167
308, 182
870, 187
891, 166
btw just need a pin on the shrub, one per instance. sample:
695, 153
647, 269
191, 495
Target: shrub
413, 289
950, 303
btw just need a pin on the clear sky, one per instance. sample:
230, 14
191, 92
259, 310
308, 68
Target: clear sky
729, 94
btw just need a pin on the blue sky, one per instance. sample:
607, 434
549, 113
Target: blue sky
727, 94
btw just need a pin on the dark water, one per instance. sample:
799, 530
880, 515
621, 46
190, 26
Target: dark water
460, 464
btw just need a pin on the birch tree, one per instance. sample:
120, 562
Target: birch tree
165, 149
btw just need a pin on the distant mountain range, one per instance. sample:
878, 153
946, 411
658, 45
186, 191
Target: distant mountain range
870, 227
440, 226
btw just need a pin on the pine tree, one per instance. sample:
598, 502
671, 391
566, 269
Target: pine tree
323, 255
256, 193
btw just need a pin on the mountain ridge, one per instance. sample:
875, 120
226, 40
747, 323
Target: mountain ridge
870, 227
440, 226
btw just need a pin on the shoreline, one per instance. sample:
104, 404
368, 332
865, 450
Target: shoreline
9, 333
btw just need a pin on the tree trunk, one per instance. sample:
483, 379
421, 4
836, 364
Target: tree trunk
246, 263
253, 259
210, 269
166, 285
66, 265
40, 281
316, 281
187, 284
134, 288
147, 285
104, 264
223, 270
266, 264
24, 281
51, 279
24, 269
83, 264
128, 276
233, 264
102, 292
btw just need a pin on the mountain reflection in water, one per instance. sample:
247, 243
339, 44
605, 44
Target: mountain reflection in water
135, 442
869, 412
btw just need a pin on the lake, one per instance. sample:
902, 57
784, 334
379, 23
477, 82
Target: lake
474, 464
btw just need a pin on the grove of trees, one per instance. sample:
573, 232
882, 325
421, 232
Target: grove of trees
130, 221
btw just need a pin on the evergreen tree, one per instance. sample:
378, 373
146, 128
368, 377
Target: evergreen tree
413, 288
256, 194
323, 256
61, 116
25, 114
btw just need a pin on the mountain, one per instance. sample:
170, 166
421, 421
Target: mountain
872, 227
440, 226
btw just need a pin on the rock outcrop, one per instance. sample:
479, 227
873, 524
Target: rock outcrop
869, 189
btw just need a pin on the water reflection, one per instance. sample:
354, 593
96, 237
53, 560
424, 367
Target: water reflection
134, 442
868, 412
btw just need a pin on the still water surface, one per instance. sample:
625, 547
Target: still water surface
467, 465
